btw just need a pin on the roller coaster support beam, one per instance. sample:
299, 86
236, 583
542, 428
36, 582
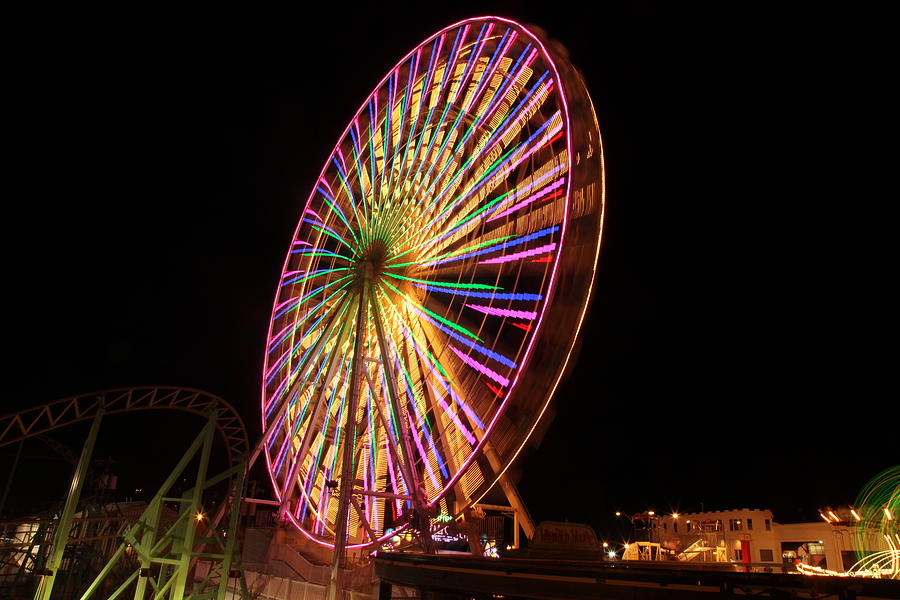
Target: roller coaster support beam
167, 551
193, 508
61, 535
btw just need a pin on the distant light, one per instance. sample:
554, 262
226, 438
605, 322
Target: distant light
675, 515
626, 546
888, 514
611, 554
618, 514
651, 513
827, 520
833, 516
199, 516
605, 545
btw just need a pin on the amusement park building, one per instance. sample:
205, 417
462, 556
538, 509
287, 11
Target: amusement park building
753, 537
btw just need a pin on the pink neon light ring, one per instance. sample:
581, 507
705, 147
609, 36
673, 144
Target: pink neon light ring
425, 221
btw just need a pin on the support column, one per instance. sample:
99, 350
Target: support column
348, 471
193, 506
61, 535
225, 565
512, 494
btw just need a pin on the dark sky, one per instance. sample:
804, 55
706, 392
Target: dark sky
742, 347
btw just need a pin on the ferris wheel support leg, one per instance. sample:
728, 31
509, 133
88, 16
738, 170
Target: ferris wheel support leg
394, 396
348, 472
420, 520
61, 535
512, 494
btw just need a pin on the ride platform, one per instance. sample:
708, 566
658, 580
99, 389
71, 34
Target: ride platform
456, 578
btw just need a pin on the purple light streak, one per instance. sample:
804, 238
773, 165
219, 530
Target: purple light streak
480, 367
503, 312
518, 255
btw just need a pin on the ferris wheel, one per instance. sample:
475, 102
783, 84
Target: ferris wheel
434, 286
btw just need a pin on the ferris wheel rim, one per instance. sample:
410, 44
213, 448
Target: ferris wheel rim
561, 92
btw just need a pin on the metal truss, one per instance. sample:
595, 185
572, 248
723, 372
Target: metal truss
84, 407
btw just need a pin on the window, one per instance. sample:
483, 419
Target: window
750, 524
666, 527
675, 526
768, 525
766, 555
817, 548
735, 525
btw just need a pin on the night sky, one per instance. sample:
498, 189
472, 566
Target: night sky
741, 350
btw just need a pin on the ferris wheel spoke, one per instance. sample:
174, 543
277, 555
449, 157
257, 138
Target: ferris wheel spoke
454, 93
317, 456
484, 85
292, 327
406, 483
390, 440
487, 109
503, 131
289, 384
420, 345
436, 340
360, 174
495, 174
393, 394
336, 358
437, 132
542, 188
421, 89
332, 201
448, 441
404, 104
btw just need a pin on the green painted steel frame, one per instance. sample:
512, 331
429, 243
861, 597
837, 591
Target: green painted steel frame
174, 551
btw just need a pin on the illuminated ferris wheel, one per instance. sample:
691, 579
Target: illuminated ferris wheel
435, 285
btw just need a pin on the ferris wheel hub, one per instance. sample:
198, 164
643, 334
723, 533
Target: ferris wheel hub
370, 266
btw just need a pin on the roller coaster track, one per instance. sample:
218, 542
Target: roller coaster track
60, 413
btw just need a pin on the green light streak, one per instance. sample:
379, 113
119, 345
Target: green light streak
355, 251
419, 401
422, 344
435, 316
340, 215
459, 198
309, 314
